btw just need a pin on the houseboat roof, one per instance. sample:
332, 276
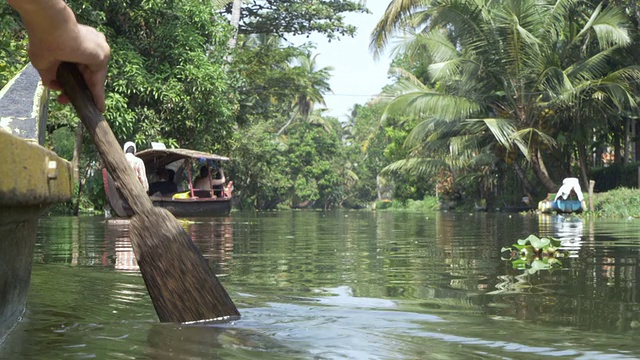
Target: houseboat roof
163, 157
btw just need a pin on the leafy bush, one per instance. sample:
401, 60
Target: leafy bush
621, 202
429, 203
383, 204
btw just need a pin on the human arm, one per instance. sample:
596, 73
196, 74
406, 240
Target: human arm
141, 173
220, 179
55, 36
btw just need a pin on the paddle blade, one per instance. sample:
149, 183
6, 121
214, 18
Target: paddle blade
182, 286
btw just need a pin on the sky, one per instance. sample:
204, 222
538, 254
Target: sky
356, 77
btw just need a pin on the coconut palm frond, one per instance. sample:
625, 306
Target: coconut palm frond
413, 98
444, 132
393, 19
464, 147
591, 67
503, 130
441, 105
411, 44
399, 104
555, 81
608, 25
557, 12
270, 41
464, 17
351, 175
219, 4
518, 26
619, 94
440, 46
530, 133
523, 137
628, 74
614, 88
416, 166
420, 132
444, 70
408, 82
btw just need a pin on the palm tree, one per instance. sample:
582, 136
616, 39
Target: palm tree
494, 67
315, 83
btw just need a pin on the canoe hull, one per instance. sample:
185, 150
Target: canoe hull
45, 179
31, 179
196, 208
567, 206
561, 206
18, 233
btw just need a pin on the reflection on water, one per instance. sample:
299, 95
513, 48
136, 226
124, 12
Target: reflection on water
566, 228
355, 285
121, 255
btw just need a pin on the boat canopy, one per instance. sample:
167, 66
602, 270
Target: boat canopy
164, 157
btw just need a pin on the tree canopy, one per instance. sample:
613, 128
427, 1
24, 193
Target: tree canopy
293, 17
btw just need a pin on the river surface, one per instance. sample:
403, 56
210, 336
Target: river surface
343, 285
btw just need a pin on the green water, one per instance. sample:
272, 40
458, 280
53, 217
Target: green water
343, 285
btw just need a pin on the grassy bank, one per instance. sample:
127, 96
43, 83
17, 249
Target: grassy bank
618, 203
428, 204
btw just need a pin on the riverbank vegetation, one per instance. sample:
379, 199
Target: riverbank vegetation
490, 101
616, 203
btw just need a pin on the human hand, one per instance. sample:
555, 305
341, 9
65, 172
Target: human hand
55, 36
85, 46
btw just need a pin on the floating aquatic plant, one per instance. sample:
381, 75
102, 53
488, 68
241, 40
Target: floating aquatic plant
534, 254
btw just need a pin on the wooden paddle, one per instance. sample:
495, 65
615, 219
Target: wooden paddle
182, 286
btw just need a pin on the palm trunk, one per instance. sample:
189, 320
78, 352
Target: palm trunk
617, 153
627, 140
288, 122
523, 178
77, 150
636, 143
75, 163
81, 182
582, 159
537, 163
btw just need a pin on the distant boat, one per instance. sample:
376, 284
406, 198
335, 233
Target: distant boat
190, 202
569, 199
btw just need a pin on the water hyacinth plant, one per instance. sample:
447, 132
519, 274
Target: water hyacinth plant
534, 254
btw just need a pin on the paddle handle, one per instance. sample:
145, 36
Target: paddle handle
127, 183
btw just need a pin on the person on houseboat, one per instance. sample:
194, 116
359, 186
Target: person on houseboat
136, 164
216, 183
202, 180
165, 184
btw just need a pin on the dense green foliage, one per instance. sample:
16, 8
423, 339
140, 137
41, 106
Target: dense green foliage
518, 83
618, 203
491, 101
13, 45
172, 79
294, 17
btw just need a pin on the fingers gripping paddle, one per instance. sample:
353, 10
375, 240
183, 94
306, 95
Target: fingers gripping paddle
182, 286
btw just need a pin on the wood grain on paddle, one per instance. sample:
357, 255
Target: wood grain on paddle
182, 286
